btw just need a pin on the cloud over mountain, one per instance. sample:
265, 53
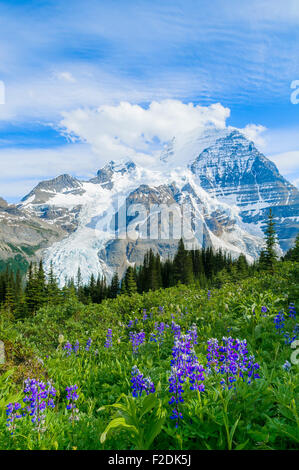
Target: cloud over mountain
130, 130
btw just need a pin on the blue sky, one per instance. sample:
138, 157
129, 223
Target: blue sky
60, 58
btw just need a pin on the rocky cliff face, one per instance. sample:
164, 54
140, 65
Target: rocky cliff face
23, 237
234, 171
221, 195
39, 199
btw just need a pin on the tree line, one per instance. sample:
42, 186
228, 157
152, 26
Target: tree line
206, 267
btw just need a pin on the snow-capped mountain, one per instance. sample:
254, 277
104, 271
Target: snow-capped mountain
23, 236
221, 193
234, 171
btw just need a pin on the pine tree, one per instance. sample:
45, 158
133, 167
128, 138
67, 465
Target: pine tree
242, 265
158, 271
183, 269
269, 255
40, 280
167, 274
198, 268
31, 289
293, 253
114, 287
92, 289
21, 310
53, 292
131, 286
123, 289
9, 296
153, 280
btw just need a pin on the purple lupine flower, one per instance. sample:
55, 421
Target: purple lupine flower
38, 396
264, 309
279, 322
193, 333
292, 310
68, 348
184, 367
160, 329
13, 413
140, 383
145, 316
76, 347
293, 336
176, 329
72, 397
108, 343
130, 324
88, 344
231, 360
137, 339
153, 337
287, 366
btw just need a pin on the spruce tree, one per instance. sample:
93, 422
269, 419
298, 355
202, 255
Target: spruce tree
131, 286
53, 292
183, 269
9, 296
270, 256
293, 253
31, 289
152, 274
114, 287
123, 289
158, 271
242, 265
40, 281
167, 272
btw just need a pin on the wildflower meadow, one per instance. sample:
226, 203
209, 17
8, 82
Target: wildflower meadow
179, 368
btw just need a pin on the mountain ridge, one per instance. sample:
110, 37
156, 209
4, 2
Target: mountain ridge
227, 183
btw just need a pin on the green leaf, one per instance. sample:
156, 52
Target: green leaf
148, 404
154, 429
233, 429
116, 423
242, 446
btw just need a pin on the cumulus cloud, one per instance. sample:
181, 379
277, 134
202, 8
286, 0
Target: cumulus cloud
126, 130
129, 130
255, 132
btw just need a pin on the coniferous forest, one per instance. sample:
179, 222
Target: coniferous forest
24, 296
194, 352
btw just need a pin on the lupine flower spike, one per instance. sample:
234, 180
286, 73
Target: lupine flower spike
72, 397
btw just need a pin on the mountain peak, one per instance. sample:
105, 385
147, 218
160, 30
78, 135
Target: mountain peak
3, 203
105, 174
48, 188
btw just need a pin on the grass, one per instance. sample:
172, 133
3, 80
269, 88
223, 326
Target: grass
262, 415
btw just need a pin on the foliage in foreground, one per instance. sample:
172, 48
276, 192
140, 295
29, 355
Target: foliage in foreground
112, 371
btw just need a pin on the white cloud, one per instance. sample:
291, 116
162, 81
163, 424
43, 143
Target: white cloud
295, 182
123, 131
67, 76
288, 161
254, 132
22, 169
288, 164
129, 130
